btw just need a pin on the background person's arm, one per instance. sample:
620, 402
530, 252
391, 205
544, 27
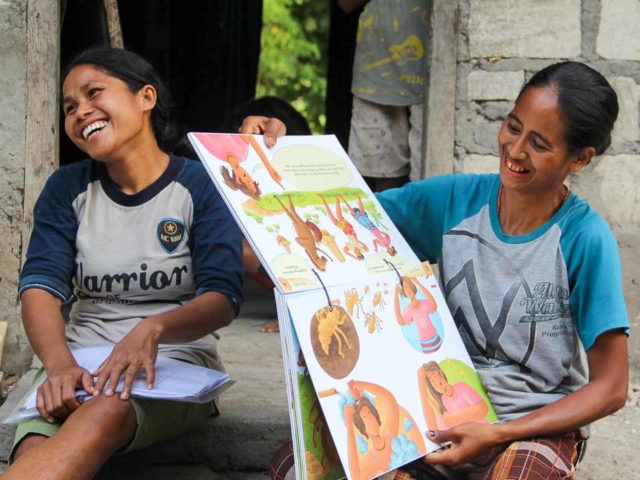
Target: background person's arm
349, 6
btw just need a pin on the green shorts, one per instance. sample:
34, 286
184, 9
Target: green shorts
157, 420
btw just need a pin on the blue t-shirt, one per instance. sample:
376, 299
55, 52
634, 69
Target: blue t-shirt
527, 306
128, 257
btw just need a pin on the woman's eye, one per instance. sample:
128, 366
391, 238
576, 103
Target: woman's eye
512, 128
70, 109
537, 146
93, 92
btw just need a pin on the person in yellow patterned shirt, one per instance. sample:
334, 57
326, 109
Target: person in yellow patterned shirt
385, 141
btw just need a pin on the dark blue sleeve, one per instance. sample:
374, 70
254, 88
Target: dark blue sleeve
50, 261
216, 240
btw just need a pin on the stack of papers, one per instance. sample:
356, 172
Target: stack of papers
175, 380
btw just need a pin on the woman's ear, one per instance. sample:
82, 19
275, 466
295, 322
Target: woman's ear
582, 159
148, 96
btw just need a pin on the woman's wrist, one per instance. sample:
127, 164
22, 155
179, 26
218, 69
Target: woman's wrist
153, 328
58, 359
504, 433
59, 365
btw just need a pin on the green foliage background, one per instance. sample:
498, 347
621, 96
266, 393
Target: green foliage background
293, 56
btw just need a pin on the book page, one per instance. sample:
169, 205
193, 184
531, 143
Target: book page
175, 380
303, 207
315, 453
388, 364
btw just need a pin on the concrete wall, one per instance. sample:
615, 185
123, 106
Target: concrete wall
13, 104
503, 42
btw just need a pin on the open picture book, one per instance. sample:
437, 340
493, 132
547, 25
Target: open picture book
372, 356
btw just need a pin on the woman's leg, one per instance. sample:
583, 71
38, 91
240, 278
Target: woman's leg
28, 443
93, 433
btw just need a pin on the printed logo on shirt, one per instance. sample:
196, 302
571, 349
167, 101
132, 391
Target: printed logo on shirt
546, 302
170, 234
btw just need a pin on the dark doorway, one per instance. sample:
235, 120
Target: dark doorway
208, 54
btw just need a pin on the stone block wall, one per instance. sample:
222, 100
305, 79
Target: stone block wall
501, 43
17, 353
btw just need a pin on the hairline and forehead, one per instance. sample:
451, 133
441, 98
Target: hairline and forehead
89, 83
93, 81
550, 96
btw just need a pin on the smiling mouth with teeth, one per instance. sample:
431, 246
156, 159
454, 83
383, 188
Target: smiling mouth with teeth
515, 168
95, 127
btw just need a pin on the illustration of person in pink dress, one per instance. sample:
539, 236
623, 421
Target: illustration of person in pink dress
381, 239
445, 405
418, 310
234, 150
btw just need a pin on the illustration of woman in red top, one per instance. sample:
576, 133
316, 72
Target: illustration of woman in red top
447, 404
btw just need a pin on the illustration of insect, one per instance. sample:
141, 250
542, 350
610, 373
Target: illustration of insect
353, 301
366, 289
372, 322
329, 322
378, 300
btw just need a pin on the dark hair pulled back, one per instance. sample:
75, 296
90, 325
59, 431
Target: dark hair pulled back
588, 105
136, 72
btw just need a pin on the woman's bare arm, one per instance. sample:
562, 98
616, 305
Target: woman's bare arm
45, 330
605, 393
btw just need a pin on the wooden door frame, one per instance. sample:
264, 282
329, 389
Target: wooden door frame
438, 128
43, 101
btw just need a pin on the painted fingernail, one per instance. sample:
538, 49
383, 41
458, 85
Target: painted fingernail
108, 392
149, 386
96, 392
431, 433
124, 395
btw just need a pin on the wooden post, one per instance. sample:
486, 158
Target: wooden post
3, 336
43, 93
113, 21
440, 89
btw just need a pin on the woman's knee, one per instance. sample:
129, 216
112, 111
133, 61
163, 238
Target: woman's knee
108, 417
549, 457
27, 443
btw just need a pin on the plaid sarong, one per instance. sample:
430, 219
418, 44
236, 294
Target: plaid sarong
548, 458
